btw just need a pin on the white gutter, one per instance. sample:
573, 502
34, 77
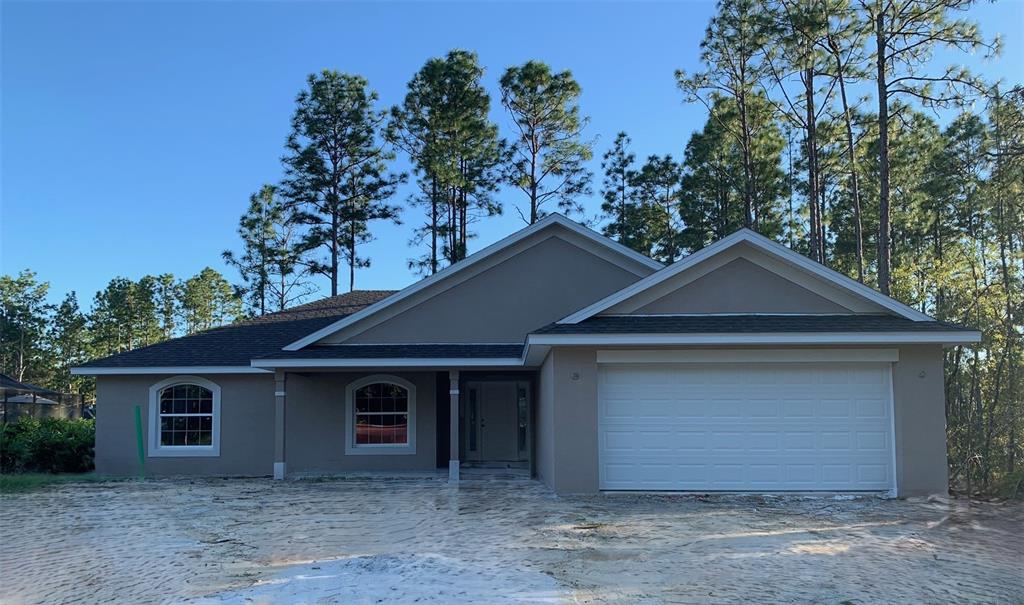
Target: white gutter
761, 338
391, 362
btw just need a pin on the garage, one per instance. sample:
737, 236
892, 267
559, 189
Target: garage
746, 426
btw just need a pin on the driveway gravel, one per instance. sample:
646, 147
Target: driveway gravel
418, 540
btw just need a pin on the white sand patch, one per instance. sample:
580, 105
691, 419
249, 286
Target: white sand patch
396, 579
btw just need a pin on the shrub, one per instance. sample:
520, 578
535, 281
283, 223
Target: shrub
50, 445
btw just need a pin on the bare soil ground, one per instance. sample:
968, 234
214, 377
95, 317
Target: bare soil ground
419, 540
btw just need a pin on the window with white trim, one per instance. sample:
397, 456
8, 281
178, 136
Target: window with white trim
381, 412
184, 417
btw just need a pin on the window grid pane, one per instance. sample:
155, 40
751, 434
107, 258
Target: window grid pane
186, 416
381, 415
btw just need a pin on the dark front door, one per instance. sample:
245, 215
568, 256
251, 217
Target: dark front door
495, 421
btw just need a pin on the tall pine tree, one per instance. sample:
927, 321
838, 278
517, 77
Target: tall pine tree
337, 179
549, 153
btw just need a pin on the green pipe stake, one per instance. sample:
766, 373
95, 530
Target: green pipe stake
138, 441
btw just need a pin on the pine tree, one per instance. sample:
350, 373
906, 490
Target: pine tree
714, 183
336, 171
732, 50
657, 192
619, 204
906, 35
443, 125
68, 340
24, 314
270, 261
208, 301
549, 154
794, 56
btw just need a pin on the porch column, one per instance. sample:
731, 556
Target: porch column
280, 468
453, 439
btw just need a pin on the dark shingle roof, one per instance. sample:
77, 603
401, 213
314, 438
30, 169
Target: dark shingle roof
238, 343
9, 384
413, 351
720, 324
332, 306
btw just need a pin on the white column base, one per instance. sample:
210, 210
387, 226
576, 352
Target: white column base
280, 468
453, 471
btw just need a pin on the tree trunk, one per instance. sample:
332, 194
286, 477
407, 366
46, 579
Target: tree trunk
811, 150
352, 256
851, 154
334, 254
748, 166
533, 188
433, 225
884, 228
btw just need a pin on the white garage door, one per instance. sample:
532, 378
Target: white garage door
742, 426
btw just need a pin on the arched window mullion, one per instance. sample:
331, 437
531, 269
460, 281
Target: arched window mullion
184, 417
380, 415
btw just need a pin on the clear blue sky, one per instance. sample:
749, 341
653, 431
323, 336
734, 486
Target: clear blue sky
133, 133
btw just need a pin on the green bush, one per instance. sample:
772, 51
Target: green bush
50, 445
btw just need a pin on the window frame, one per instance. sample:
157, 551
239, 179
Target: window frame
156, 450
351, 448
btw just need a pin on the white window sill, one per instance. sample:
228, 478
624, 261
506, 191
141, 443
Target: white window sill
184, 451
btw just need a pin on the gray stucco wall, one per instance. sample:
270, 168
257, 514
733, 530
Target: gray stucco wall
919, 420
315, 426
543, 283
246, 435
740, 286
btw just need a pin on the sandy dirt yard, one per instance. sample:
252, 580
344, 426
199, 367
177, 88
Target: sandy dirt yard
356, 541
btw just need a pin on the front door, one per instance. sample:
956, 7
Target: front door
495, 420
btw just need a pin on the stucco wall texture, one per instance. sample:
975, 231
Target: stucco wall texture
568, 455
314, 436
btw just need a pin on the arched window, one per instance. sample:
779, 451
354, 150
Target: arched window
380, 415
184, 417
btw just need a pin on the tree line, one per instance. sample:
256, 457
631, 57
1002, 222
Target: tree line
40, 342
831, 127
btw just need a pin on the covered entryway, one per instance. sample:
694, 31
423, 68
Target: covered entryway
746, 426
495, 416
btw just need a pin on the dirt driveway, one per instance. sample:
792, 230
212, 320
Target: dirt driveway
417, 540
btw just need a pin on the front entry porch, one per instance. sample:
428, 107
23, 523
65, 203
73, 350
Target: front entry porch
489, 423
388, 419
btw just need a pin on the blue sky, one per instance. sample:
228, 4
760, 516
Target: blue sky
133, 133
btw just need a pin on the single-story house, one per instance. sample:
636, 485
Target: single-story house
743, 367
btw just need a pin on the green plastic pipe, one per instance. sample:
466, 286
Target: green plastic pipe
138, 441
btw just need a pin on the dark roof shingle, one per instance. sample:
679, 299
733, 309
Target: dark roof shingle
332, 306
237, 344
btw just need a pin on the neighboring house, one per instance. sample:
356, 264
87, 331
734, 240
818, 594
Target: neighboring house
23, 400
743, 367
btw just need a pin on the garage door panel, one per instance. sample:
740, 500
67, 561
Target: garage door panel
723, 427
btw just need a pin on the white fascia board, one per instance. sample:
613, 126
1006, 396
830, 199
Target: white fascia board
469, 261
87, 371
629, 356
392, 362
772, 338
765, 245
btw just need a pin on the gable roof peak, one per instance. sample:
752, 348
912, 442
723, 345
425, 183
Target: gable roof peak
763, 244
629, 256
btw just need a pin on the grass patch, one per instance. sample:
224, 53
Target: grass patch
23, 482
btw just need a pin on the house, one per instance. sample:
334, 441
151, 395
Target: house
743, 367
